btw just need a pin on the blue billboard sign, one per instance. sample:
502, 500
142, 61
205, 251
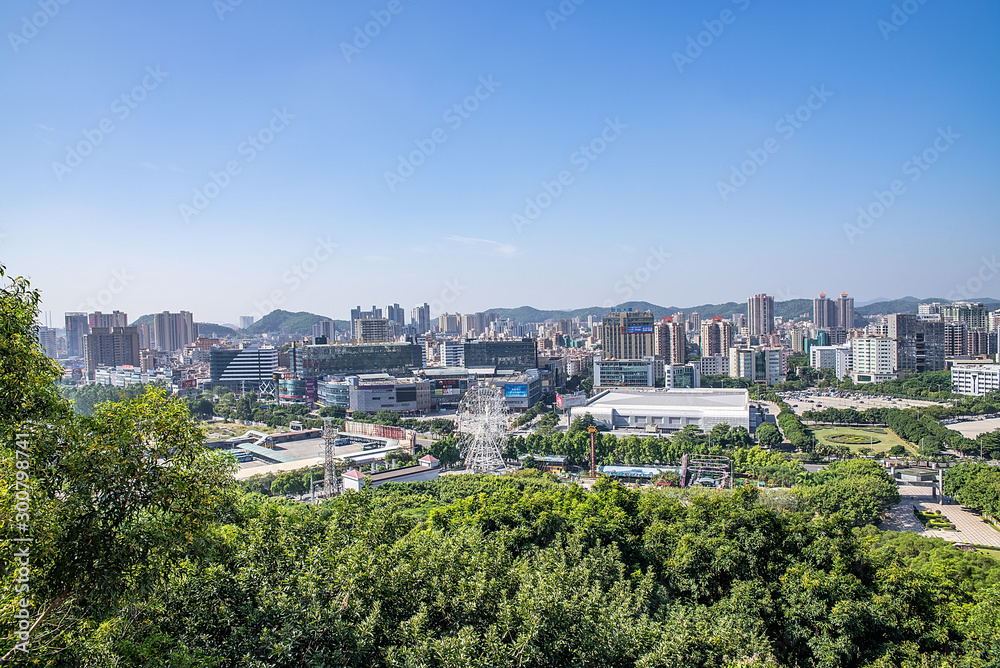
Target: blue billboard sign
640, 329
515, 391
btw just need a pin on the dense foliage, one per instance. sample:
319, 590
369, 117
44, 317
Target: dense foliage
791, 426
859, 490
632, 449
86, 397
975, 485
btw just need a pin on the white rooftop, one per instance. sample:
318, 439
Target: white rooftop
680, 398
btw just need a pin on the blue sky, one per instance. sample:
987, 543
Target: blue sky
658, 215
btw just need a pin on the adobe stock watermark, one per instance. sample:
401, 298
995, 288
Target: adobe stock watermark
31, 25
381, 18
454, 116
786, 126
296, 275
248, 150
988, 269
704, 39
915, 167
21, 561
901, 13
562, 12
120, 280
631, 282
450, 293
223, 7
121, 108
581, 159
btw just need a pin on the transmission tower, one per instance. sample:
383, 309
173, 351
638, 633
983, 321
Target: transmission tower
329, 437
484, 420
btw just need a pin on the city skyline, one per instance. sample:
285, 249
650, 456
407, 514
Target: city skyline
52, 319
170, 155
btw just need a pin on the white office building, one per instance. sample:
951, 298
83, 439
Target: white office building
837, 358
452, 353
715, 365
975, 379
872, 359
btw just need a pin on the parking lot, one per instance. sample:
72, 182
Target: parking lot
811, 400
974, 427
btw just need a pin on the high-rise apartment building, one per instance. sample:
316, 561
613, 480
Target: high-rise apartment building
145, 335
823, 312
760, 312
77, 326
627, 335
111, 346
670, 340
973, 316
797, 337
845, 312
396, 315
246, 321
173, 331
919, 342
47, 337
420, 318
449, 323
372, 330
324, 328
956, 343
716, 337
113, 319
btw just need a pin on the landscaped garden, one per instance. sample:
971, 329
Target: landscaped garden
933, 519
878, 439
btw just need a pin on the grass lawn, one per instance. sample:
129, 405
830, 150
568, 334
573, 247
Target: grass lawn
995, 553
884, 438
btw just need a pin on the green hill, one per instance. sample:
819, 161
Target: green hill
210, 330
299, 323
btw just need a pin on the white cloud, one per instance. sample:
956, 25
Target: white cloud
498, 247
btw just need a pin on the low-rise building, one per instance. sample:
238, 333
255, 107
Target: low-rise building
426, 468
683, 376
975, 379
627, 372
371, 395
670, 410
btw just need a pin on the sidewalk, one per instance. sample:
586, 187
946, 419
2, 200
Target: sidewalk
971, 528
